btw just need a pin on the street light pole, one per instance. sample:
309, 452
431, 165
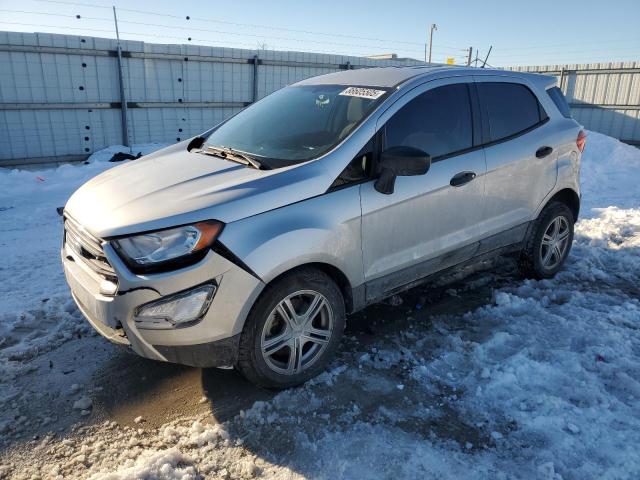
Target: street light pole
433, 27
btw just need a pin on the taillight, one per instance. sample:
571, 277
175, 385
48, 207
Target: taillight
581, 140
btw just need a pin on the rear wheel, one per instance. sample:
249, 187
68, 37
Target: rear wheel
549, 242
293, 330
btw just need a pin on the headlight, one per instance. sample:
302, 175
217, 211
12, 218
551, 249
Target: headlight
148, 251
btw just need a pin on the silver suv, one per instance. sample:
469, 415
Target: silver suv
247, 245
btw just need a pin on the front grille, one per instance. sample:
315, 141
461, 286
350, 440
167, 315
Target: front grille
88, 248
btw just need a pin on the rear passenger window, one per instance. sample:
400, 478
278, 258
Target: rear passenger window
437, 122
561, 102
512, 108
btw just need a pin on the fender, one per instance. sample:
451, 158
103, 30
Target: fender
324, 229
568, 178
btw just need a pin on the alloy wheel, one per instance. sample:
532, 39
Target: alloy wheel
555, 241
297, 332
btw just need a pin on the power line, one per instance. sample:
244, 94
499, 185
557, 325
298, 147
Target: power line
211, 41
517, 59
186, 38
288, 39
36, 13
308, 32
222, 32
249, 25
78, 4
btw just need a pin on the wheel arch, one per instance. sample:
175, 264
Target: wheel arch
570, 198
338, 276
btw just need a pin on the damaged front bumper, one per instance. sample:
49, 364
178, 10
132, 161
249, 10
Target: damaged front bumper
211, 341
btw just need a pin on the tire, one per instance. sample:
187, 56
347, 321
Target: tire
539, 259
297, 346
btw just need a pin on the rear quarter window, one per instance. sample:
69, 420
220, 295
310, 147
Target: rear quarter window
511, 108
561, 102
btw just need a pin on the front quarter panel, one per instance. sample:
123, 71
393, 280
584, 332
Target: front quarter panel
323, 229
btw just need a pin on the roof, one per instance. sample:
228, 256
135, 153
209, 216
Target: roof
387, 77
372, 77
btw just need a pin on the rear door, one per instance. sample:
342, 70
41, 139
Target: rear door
521, 162
427, 223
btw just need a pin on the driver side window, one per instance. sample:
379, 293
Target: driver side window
437, 122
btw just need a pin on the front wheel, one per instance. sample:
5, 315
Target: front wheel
548, 243
292, 331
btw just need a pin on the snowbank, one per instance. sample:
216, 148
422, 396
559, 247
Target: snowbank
36, 311
609, 175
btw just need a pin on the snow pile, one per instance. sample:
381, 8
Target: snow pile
609, 174
161, 465
184, 450
553, 365
46, 184
36, 311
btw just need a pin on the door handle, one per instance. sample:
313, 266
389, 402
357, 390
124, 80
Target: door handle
543, 152
461, 178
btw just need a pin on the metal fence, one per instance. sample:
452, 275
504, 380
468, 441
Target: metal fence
60, 96
604, 97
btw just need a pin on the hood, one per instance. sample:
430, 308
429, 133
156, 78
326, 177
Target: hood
174, 187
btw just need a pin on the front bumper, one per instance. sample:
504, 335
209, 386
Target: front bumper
210, 342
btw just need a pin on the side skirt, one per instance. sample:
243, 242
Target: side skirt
502, 243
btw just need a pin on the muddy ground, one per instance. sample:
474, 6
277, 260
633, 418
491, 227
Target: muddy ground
124, 386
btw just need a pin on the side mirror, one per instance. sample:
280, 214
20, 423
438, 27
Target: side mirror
403, 162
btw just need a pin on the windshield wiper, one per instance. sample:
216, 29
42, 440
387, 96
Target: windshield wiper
235, 156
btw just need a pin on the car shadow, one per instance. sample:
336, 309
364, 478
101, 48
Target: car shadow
134, 387
158, 392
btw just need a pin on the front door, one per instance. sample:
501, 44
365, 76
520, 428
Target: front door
430, 222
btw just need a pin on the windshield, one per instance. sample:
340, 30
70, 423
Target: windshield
297, 123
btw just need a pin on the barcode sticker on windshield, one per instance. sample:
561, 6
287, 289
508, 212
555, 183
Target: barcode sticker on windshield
362, 92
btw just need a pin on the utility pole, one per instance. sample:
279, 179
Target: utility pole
123, 99
484, 64
469, 56
433, 27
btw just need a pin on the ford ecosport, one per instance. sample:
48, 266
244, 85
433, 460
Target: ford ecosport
247, 245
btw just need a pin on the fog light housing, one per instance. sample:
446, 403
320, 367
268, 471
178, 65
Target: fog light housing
107, 287
174, 311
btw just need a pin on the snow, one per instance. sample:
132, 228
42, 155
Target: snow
83, 403
168, 464
609, 175
36, 311
541, 381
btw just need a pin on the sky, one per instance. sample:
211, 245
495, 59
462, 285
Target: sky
534, 32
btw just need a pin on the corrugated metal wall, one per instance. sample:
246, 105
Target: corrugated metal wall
604, 97
60, 99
